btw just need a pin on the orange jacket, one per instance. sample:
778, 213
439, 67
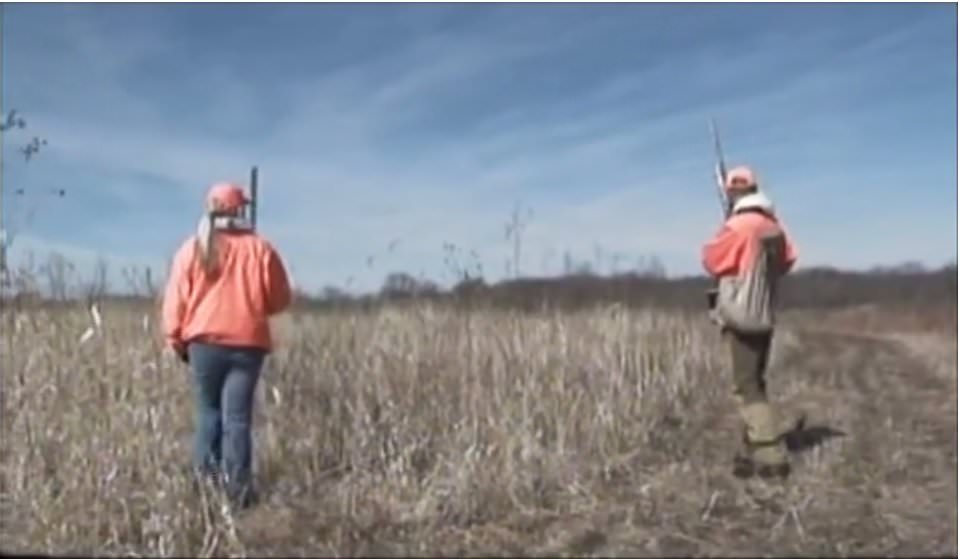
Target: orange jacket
732, 249
234, 307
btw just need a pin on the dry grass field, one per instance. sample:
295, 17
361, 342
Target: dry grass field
428, 432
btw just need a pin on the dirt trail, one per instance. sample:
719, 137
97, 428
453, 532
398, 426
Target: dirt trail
875, 467
889, 483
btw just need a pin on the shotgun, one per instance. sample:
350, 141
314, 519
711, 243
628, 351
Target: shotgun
722, 195
721, 169
253, 198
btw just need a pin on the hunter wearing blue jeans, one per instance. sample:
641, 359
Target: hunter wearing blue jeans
225, 284
224, 382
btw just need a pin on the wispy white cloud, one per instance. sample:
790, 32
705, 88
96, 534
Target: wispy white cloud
388, 147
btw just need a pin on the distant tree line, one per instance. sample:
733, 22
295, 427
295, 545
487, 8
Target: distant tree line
909, 284
906, 284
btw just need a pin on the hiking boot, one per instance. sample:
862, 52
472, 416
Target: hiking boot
765, 460
773, 471
743, 467
768, 453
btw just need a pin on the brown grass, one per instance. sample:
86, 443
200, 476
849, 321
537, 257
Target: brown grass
429, 432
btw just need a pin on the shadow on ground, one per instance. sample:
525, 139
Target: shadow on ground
806, 437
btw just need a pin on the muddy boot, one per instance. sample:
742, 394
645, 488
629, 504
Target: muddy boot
778, 471
770, 460
763, 453
743, 466
763, 461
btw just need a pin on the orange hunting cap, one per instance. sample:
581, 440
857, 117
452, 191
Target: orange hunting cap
226, 196
740, 178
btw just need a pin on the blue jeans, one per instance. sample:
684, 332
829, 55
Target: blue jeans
224, 380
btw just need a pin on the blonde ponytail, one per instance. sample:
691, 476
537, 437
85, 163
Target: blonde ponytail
207, 244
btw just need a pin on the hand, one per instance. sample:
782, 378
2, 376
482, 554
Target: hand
712, 311
711, 298
180, 350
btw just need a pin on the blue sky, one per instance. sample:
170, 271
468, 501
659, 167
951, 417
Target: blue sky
426, 123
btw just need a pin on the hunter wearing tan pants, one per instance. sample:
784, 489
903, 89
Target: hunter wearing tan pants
748, 256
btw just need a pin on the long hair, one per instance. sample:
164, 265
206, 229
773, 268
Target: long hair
208, 249
206, 241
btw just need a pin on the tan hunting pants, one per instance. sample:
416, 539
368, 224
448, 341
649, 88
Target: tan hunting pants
749, 355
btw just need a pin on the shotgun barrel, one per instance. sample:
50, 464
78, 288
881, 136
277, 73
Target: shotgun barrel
721, 167
722, 195
253, 197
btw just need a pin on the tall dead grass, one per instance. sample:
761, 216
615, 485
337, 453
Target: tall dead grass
421, 431
424, 418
